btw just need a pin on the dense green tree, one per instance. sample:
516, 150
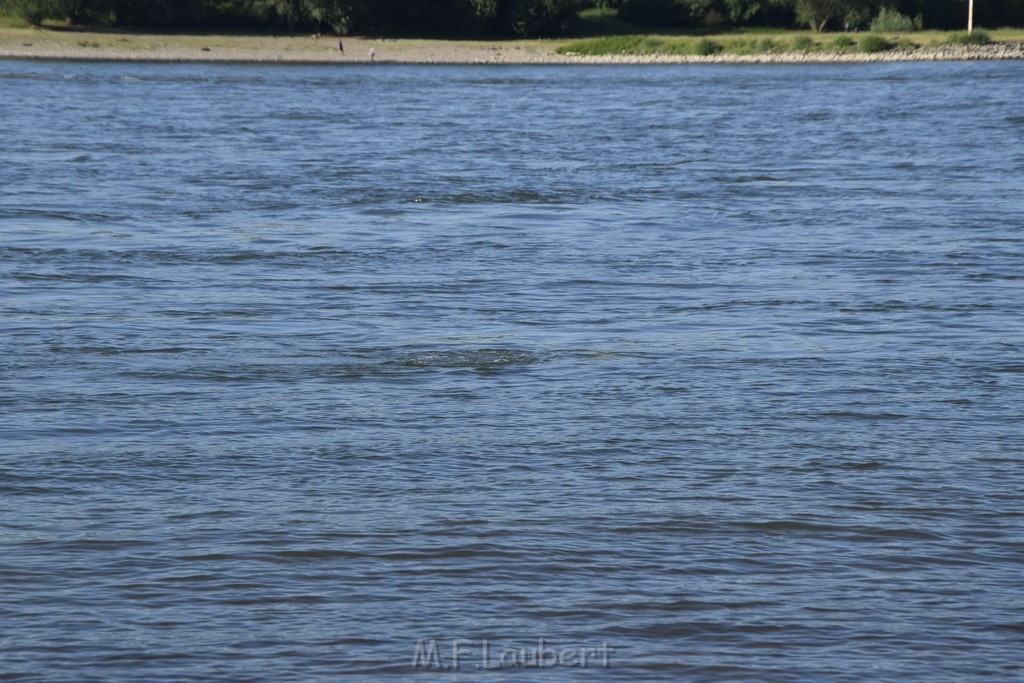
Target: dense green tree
333, 14
817, 14
159, 12
473, 18
37, 11
531, 18
951, 14
287, 13
661, 13
742, 11
464, 18
696, 13
460, 18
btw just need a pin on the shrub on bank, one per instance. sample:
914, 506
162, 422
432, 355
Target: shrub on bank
609, 45
754, 45
965, 38
891, 21
804, 44
706, 46
843, 42
874, 43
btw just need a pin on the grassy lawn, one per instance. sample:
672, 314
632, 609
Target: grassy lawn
57, 38
13, 31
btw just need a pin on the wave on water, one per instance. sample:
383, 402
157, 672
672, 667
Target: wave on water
466, 358
509, 197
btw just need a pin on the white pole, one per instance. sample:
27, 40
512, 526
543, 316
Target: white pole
970, 16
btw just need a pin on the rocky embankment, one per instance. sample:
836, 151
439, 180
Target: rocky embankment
995, 51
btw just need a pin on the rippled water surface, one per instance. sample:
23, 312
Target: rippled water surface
301, 367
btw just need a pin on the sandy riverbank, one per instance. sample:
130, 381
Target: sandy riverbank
114, 46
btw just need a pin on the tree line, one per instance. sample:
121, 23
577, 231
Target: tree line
819, 15
506, 18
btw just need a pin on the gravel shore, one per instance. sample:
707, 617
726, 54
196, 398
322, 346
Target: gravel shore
325, 50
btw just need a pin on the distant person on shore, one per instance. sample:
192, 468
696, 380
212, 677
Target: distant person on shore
341, 47
373, 54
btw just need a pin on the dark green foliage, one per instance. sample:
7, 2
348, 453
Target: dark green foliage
33, 12
465, 17
857, 16
817, 14
602, 21
662, 13
743, 11
952, 14
530, 18
874, 43
142, 12
820, 15
160, 12
519, 18
36, 11
711, 14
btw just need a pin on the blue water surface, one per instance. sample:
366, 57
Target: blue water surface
305, 368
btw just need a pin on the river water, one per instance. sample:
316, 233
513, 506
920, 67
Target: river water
696, 373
